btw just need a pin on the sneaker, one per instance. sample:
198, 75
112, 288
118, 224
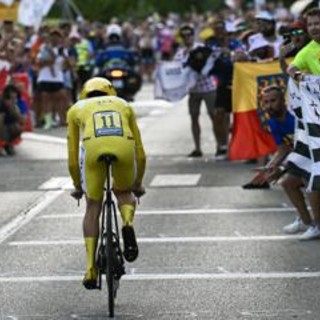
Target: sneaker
90, 279
313, 232
251, 161
47, 126
9, 150
2, 153
55, 124
47, 121
131, 250
195, 154
221, 153
295, 227
251, 185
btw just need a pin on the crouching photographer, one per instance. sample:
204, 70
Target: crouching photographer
11, 120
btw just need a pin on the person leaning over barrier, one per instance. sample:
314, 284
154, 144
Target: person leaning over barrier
282, 125
107, 125
307, 62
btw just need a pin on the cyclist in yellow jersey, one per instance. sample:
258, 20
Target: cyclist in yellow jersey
105, 124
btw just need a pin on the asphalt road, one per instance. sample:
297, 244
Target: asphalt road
208, 248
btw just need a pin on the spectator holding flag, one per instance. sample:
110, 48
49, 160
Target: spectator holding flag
224, 46
281, 124
204, 89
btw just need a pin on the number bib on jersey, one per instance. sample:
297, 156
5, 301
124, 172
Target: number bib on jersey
107, 123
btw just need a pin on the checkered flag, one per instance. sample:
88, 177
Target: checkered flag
310, 92
299, 160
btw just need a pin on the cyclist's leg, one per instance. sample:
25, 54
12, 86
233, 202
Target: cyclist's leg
93, 177
127, 204
124, 177
91, 234
123, 174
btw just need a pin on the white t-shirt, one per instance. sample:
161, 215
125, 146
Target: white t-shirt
45, 73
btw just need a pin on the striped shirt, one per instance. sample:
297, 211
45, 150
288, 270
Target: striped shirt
205, 83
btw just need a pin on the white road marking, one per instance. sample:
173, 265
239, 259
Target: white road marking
57, 183
238, 234
43, 138
27, 215
213, 211
161, 240
222, 270
152, 104
276, 314
166, 180
175, 276
180, 212
157, 112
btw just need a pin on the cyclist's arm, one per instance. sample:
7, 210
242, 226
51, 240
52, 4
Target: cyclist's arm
73, 148
140, 154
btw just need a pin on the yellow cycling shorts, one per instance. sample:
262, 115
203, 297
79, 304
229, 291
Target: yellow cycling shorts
93, 172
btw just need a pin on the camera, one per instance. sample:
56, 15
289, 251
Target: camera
286, 38
61, 51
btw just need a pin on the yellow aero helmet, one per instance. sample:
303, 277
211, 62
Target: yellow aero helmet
97, 84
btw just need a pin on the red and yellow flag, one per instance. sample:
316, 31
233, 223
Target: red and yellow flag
250, 136
9, 12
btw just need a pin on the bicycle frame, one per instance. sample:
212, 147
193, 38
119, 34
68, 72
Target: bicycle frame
109, 238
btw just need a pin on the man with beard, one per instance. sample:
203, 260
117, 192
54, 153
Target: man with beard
282, 125
266, 24
295, 39
307, 61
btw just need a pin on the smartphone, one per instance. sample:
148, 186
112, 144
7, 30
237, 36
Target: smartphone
61, 51
287, 38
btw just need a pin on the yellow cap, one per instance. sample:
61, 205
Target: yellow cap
97, 84
206, 33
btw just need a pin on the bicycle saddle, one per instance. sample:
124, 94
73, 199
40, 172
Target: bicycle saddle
109, 158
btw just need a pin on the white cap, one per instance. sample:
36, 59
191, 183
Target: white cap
170, 23
257, 41
114, 29
230, 27
74, 34
159, 25
264, 15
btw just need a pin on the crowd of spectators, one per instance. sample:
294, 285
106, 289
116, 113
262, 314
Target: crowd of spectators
58, 59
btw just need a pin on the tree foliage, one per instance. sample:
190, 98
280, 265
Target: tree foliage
104, 10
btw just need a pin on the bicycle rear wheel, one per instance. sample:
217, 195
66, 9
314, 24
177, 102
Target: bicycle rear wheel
110, 263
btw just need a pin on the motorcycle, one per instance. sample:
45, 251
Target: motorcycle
124, 78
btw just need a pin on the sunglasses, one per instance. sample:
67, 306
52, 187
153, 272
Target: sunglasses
186, 35
297, 32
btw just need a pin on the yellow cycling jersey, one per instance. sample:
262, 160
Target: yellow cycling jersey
106, 121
